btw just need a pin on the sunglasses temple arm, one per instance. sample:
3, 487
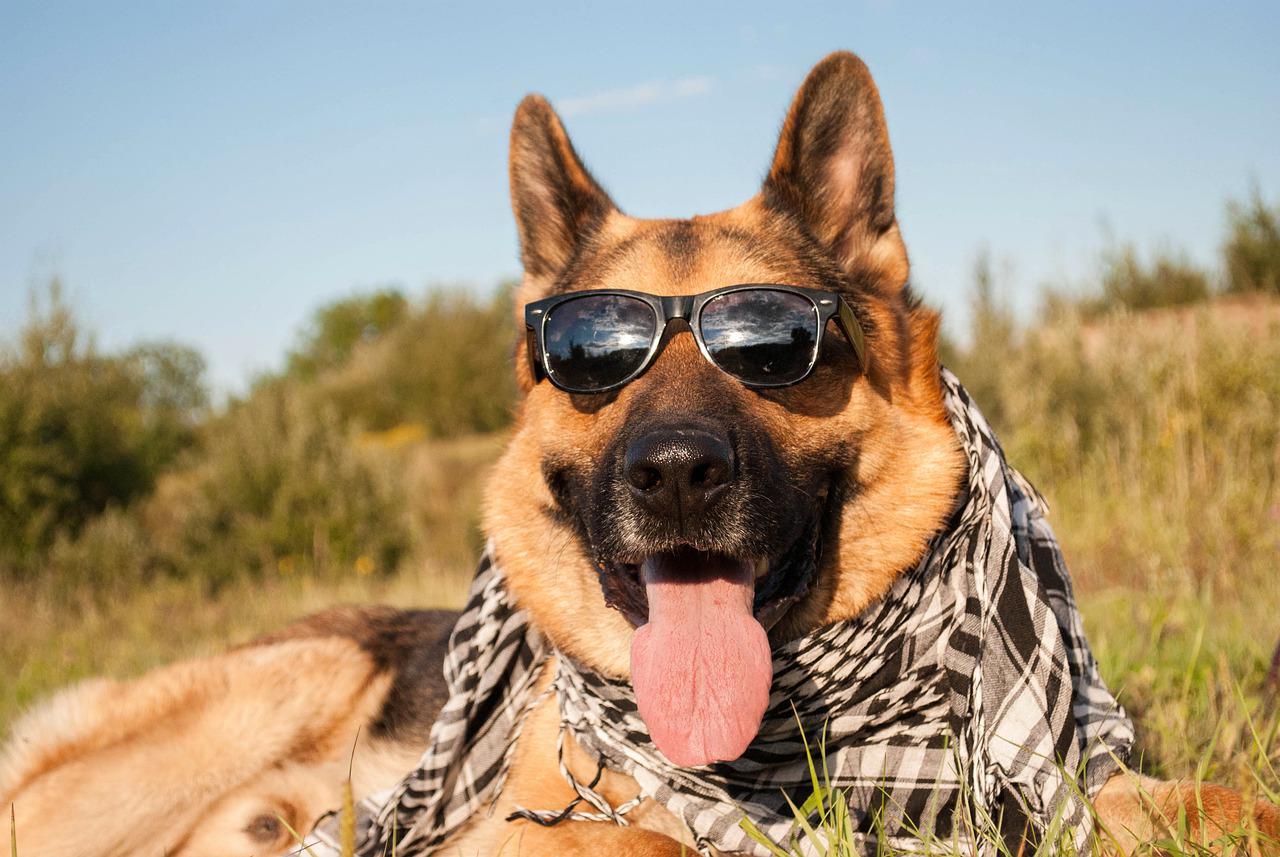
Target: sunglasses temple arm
535, 357
853, 332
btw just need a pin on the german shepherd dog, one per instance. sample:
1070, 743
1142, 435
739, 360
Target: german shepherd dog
684, 468
786, 508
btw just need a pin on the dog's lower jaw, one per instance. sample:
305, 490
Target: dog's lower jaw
701, 661
780, 582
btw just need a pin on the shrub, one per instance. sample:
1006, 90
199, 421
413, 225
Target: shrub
111, 553
81, 431
279, 488
1252, 250
336, 329
1170, 280
446, 366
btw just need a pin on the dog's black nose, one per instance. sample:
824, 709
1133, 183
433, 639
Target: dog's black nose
678, 472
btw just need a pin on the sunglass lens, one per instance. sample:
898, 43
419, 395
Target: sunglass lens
596, 341
761, 336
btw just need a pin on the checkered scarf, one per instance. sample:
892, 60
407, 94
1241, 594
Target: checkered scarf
966, 695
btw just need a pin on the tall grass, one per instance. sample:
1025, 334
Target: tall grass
355, 476
55, 632
824, 826
1156, 439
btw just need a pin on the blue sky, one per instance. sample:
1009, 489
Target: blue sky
212, 172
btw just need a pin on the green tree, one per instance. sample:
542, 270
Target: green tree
446, 366
1252, 249
81, 431
336, 329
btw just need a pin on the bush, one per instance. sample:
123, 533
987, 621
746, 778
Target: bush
279, 488
1252, 249
336, 329
1170, 280
81, 431
446, 366
111, 553
277, 484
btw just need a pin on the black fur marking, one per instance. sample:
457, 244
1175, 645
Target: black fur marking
411, 644
679, 244
558, 483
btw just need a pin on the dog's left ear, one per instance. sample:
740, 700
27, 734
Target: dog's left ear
833, 169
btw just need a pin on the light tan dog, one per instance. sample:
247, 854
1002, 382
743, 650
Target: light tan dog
225, 755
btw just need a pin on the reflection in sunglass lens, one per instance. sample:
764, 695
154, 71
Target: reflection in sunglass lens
761, 336
596, 341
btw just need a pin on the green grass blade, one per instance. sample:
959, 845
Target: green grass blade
759, 836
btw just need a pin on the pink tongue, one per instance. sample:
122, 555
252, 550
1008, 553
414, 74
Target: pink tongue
701, 667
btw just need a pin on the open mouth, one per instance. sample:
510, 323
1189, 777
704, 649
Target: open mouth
701, 663
777, 583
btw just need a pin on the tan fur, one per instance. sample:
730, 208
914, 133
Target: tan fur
1134, 810
180, 760
894, 411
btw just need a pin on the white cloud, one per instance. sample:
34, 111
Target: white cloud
632, 96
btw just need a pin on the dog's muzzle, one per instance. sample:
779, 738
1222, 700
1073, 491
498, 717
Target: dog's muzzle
677, 474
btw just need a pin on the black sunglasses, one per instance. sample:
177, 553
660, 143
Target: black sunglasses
763, 335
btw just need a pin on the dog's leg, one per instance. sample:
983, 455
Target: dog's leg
587, 839
1133, 810
534, 782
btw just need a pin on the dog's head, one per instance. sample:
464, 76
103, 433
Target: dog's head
739, 509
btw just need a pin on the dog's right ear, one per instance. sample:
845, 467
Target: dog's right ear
556, 201
833, 169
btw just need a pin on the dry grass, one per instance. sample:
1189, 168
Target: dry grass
1158, 451
54, 634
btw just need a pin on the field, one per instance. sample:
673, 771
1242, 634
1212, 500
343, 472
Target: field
1153, 432
53, 635
1169, 516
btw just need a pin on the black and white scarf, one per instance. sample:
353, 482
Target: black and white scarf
968, 691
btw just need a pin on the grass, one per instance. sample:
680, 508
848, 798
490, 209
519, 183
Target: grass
824, 826
54, 633
1157, 445
50, 641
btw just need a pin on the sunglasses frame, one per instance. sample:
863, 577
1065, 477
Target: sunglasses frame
688, 308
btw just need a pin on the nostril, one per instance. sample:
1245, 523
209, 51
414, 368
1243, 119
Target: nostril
709, 474
645, 478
